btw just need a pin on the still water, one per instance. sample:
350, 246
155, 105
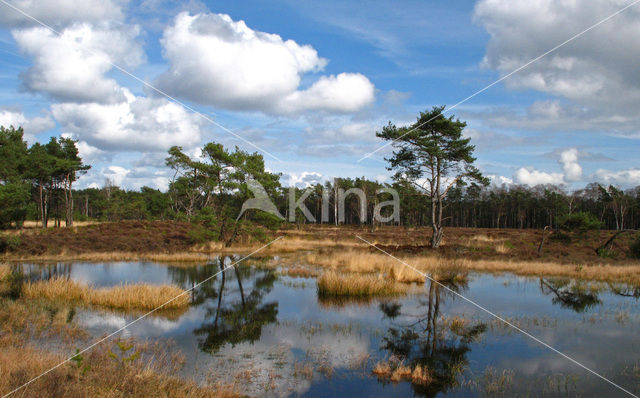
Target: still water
274, 336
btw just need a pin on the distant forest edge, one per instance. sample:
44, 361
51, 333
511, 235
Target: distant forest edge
36, 184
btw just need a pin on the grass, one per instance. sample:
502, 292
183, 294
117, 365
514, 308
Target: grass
120, 368
98, 373
132, 296
397, 371
333, 283
362, 261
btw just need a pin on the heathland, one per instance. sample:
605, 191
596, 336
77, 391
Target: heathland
345, 266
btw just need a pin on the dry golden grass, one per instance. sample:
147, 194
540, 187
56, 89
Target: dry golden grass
133, 296
97, 374
363, 261
181, 257
484, 239
397, 371
502, 248
421, 375
333, 283
299, 272
5, 270
38, 224
382, 369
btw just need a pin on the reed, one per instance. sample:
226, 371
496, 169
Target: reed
336, 284
131, 296
360, 261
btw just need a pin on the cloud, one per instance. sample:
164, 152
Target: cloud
627, 178
61, 12
31, 126
71, 67
569, 161
138, 124
115, 174
346, 92
572, 171
597, 70
499, 180
304, 179
217, 61
532, 177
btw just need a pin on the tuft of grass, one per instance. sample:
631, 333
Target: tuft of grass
332, 283
131, 296
382, 369
396, 371
421, 375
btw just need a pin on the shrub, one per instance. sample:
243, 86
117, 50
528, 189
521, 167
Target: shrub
634, 249
578, 223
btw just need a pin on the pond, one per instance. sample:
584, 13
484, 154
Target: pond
273, 335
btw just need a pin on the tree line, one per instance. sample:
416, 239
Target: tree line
37, 179
434, 175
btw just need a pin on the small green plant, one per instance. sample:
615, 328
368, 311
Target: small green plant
78, 360
606, 253
125, 355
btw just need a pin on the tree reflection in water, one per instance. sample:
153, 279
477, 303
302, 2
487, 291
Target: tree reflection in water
574, 295
431, 341
235, 311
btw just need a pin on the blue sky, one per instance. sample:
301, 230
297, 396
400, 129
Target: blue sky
311, 82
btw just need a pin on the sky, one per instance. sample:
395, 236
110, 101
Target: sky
308, 83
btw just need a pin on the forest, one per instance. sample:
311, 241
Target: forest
36, 183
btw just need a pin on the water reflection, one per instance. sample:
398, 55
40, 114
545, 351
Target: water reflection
432, 341
248, 320
239, 313
578, 296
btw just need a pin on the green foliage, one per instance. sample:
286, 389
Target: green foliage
634, 249
579, 223
126, 353
433, 155
14, 197
79, 361
607, 253
211, 191
205, 226
13, 282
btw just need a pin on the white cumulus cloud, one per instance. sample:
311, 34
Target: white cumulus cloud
627, 178
31, 126
71, 67
530, 176
596, 72
138, 124
217, 61
570, 166
61, 12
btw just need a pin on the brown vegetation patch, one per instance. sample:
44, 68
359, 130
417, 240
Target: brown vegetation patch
140, 295
123, 236
102, 372
333, 283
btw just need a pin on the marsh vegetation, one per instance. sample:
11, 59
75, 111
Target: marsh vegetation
244, 332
